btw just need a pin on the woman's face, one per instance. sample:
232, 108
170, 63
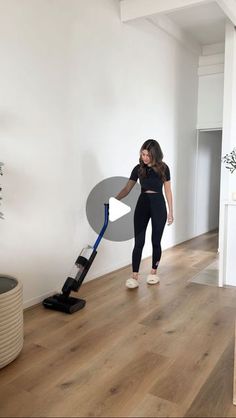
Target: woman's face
145, 156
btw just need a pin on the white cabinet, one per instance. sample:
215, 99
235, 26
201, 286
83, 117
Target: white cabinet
230, 243
210, 101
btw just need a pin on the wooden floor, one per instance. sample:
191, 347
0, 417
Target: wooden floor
156, 351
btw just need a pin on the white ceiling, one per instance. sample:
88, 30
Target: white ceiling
205, 23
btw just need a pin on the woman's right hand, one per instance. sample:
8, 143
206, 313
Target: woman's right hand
170, 219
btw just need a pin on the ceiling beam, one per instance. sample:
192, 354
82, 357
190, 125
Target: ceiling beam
229, 8
134, 9
166, 24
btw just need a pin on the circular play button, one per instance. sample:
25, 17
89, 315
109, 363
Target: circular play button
121, 212
117, 209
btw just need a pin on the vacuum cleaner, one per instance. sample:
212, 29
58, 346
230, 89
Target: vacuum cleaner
63, 301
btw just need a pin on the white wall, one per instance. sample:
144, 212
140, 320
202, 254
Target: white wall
208, 181
228, 180
80, 92
35, 144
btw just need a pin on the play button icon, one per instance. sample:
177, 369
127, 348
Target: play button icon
121, 212
117, 209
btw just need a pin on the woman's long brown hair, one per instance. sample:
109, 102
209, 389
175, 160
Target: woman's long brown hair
156, 157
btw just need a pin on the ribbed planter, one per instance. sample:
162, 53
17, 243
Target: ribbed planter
11, 319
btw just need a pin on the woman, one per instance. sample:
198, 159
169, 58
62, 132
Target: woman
152, 173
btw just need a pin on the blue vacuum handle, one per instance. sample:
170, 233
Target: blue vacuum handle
106, 218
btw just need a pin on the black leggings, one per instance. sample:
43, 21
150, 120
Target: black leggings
149, 205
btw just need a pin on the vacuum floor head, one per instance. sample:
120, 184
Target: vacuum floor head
62, 303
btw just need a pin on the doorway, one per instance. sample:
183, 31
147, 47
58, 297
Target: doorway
208, 172
207, 191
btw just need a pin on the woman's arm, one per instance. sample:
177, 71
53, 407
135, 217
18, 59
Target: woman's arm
125, 191
168, 195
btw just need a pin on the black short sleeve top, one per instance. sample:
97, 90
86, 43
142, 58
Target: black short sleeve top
152, 181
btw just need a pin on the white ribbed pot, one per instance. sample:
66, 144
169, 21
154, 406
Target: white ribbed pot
11, 319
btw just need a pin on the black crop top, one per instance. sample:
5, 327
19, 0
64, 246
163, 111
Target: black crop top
152, 181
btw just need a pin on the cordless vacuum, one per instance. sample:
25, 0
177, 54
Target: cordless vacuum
63, 301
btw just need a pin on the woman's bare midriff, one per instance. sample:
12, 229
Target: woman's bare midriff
150, 191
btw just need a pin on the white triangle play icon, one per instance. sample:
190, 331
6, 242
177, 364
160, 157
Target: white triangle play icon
117, 209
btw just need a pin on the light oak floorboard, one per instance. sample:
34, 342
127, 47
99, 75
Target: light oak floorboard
156, 351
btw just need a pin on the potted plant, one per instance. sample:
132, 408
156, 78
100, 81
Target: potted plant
230, 164
11, 314
230, 160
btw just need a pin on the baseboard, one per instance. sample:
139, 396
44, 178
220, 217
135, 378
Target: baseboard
38, 299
